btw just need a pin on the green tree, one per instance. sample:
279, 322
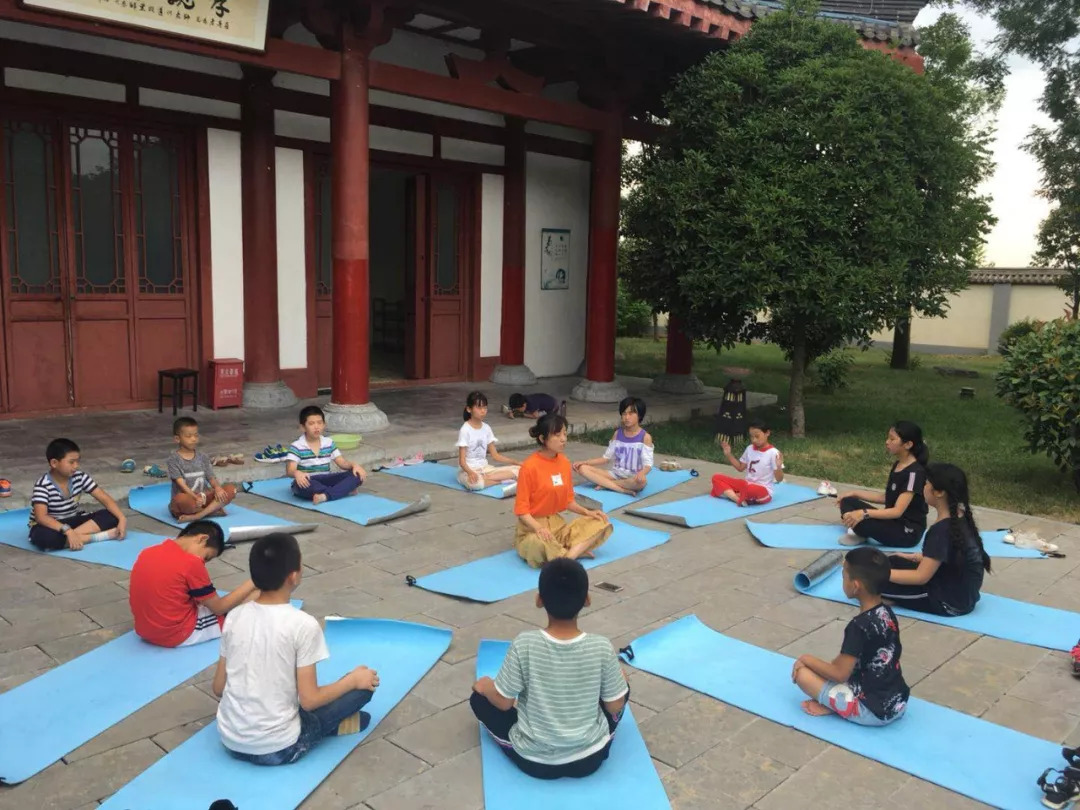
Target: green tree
972, 86
803, 176
1059, 248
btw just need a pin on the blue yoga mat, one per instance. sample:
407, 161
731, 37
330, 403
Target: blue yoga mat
117, 553
627, 779
987, 762
995, 616
61, 709
367, 510
443, 475
153, 501
490, 579
200, 771
826, 538
658, 481
704, 510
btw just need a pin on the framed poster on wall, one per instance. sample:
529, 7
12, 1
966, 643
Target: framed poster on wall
555, 259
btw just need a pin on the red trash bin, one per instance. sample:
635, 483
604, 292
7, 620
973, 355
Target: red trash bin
226, 383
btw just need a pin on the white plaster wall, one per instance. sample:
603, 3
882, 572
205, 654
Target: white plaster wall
226, 242
965, 326
68, 85
1039, 302
491, 246
291, 258
556, 196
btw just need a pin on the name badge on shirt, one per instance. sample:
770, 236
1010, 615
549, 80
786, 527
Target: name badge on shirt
556, 480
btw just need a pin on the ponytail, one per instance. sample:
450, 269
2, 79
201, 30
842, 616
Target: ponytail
910, 432
950, 479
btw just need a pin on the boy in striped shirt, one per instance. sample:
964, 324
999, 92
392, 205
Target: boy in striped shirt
56, 521
560, 693
308, 463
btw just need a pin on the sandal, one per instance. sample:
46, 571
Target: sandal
127, 465
1061, 791
219, 461
236, 458
1029, 540
154, 471
670, 465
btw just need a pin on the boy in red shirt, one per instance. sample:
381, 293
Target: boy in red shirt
172, 599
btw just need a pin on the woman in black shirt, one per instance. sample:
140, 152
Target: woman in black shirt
902, 521
947, 577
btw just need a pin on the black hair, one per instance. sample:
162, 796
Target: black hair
474, 398
181, 423
950, 479
215, 537
564, 585
310, 410
635, 403
869, 567
272, 559
910, 432
223, 804
58, 448
758, 424
517, 401
547, 425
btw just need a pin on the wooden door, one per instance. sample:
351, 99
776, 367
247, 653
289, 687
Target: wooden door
416, 280
446, 280
324, 275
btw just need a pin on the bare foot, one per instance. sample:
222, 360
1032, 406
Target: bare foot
814, 709
355, 491
317, 499
580, 550
730, 495
588, 555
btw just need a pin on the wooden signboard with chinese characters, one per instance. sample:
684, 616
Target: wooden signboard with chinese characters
236, 23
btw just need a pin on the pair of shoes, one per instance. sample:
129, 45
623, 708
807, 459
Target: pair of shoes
1029, 540
849, 538
1076, 659
228, 458
1063, 790
220, 461
827, 489
416, 458
271, 455
127, 465
5, 488
154, 471
670, 465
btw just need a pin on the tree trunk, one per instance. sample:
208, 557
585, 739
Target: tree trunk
1076, 301
795, 391
901, 344
656, 327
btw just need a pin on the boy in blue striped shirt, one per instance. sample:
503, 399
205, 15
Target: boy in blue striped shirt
560, 693
308, 463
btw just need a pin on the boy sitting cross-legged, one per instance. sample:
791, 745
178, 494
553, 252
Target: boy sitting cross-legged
272, 709
863, 683
569, 689
196, 491
172, 599
308, 463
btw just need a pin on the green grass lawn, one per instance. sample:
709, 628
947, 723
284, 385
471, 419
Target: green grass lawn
846, 430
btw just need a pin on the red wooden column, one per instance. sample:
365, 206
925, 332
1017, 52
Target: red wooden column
512, 369
263, 386
678, 376
350, 408
599, 384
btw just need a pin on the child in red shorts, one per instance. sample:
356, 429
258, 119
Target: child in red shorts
764, 467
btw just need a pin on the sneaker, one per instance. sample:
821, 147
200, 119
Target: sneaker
5, 488
418, 458
823, 488
506, 410
1076, 659
397, 462
154, 471
127, 465
849, 538
271, 455
1033, 541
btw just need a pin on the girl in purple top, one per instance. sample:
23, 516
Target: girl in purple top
630, 453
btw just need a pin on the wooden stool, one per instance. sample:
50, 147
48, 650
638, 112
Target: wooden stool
178, 375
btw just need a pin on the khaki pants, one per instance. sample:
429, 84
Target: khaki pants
536, 551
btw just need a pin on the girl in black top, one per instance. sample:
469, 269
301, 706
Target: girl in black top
947, 577
902, 521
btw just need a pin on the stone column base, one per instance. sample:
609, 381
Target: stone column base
678, 384
366, 418
264, 396
592, 391
513, 375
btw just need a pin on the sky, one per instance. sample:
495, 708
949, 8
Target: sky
1016, 178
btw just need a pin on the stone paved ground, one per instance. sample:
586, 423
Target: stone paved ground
425, 754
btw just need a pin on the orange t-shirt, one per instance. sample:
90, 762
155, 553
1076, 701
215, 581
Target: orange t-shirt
545, 486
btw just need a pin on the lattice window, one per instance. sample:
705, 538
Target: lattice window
324, 260
30, 221
158, 228
97, 211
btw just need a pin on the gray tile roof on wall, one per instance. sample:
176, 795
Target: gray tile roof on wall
879, 20
1042, 276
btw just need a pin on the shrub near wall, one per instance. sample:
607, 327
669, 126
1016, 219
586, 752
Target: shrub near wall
632, 317
1041, 379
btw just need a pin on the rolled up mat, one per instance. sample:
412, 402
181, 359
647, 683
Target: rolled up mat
443, 475
658, 481
627, 778
116, 553
503, 575
818, 536
153, 501
200, 771
243, 534
996, 616
705, 510
988, 762
367, 510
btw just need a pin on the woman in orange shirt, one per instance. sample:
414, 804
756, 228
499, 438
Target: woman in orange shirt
546, 488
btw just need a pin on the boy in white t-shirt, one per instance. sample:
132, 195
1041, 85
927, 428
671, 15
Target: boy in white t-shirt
272, 709
764, 467
476, 441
